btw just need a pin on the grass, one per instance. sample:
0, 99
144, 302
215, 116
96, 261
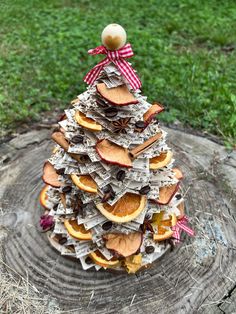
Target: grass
185, 56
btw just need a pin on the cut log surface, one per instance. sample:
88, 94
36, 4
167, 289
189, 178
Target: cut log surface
197, 276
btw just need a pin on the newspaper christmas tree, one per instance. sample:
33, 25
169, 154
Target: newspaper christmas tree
112, 195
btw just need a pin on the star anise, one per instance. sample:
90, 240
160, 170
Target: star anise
120, 125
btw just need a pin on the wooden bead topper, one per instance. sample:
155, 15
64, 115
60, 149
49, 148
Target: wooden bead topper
113, 37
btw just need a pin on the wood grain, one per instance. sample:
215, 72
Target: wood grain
196, 277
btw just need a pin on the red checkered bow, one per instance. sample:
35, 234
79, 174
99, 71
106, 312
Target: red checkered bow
117, 57
181, 225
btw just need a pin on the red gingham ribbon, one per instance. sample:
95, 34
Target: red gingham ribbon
181, 225
117, 57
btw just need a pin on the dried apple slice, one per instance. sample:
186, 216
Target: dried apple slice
85, 183
178, 174
127, 208
152, 112
181, 209
119, 96
113, 153
77, 231
166, 193
43, 196
160, 161
101, 260
50, 176
87, 123
123, 244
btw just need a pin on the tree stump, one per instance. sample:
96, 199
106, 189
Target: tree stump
199, 275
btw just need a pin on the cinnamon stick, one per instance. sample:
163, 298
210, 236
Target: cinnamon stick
135, 152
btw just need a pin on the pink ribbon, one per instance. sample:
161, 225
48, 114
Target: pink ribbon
117, 57
181, 226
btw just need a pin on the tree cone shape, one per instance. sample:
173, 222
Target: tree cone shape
77, 231
115, 171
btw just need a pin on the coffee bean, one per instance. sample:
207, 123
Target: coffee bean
107, 225
111, 112
145, 190
66, 189
101, 102
77, 139
107, 188
76, 210
149, 249
120, 175
140, 125
60, 171
84, 158
88, 260
63, 240
178, 196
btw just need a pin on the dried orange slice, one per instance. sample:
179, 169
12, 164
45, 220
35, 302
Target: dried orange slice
152, 112
123, 244
101, 260
127, 208
85, 183
87, 123
160, 161
164, 231
43, 196
163, 234
77, 231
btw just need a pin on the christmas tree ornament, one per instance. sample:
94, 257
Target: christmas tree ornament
112, 197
